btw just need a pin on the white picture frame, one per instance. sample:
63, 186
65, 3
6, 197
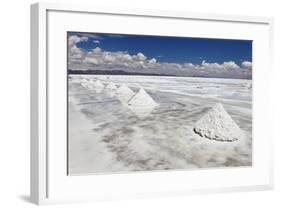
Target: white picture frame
49, 181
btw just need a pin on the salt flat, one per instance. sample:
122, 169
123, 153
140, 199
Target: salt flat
107, 135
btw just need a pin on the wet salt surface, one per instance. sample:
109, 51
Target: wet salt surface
106, 136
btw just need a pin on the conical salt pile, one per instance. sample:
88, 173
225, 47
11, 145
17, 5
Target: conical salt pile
83, 84
142, 99
93, 81
124, 93
99, 84
111, 86
124, 89
84, 80
88, 86
217, 124
249, 86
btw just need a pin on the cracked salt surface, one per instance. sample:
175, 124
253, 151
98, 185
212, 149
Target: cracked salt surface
106, 136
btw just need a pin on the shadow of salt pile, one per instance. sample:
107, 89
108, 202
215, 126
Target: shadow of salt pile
141, 112
217, 124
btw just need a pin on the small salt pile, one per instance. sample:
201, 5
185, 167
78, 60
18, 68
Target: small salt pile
99, 84
141, 104
111, 86
124, 93
142, 99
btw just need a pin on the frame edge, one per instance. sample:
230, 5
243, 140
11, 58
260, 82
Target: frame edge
38, 37
38, 104
34, 153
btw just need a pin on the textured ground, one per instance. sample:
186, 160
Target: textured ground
107, 136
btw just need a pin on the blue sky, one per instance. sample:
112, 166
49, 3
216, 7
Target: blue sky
175, 49
148, 52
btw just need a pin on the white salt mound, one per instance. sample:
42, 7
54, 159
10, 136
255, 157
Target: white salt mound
93, 81
218, 125
124, 89
142, 99
249, 86
111, 86
124, 93
87, 86
83, 84
84, 80
99, 84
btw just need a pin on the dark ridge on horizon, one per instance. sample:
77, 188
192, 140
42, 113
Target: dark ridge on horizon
121, 72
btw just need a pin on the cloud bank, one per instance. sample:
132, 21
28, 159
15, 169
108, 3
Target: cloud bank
98, 59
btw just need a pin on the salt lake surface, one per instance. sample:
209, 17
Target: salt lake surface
106, 135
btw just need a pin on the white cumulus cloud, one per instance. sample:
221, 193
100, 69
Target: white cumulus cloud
96, 41
98, 59
74, 39
247, 65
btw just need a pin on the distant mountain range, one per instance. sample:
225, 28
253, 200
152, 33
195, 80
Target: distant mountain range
114, 72
121, 72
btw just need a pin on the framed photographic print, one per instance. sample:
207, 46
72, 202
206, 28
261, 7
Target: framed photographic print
132, 103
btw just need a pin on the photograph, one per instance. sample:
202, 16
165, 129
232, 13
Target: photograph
157, 103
